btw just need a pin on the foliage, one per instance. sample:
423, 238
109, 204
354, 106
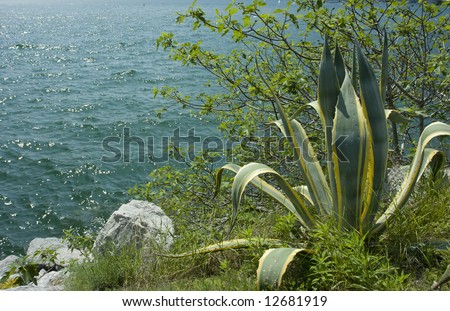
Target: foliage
179, 190
10, 283
280, 51
341, 261
235, 269
81, 242
414, 234
357, 149
25, 270
109, 271
286, 41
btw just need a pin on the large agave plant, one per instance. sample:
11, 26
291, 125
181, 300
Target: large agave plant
356, 138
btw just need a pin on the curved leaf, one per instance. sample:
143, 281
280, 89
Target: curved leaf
315, 180
273, 265
230, 166
303, 108
395, 116
258, 183
227, 245
248, 172
313, 174
421, 159
303, 190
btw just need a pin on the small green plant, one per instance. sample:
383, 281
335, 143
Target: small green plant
81, 242
9, 283
108, 271
341, 261
25, 270
356, 141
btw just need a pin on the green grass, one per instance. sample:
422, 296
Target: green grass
417, 241
405, 257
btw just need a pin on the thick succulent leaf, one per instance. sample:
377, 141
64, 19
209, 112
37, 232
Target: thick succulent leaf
395, 116
339, 65
314, 176
374, 110
258, 183
315, 105
273, 265
422, 158
328, 92
351, 158
248, 172
230, 244
303, 190
429, 156
328, 87
308, 164
302, 109
231, 167
315, 180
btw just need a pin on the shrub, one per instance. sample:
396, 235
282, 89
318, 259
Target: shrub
356, 142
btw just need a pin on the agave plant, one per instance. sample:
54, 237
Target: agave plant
356, 138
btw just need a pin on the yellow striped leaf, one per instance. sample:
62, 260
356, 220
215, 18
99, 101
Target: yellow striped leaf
422, 158
273, 265
350, 156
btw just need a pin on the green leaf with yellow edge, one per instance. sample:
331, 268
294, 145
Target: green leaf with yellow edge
315, 180
273, 265
248, 172
228, 245
296, 135
395, 116
373, 108
422, 158
258, 183
328, 90
351, 157
314, 176
303, 190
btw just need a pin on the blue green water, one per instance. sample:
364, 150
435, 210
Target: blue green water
72, 73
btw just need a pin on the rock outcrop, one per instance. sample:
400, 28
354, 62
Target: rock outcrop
41, 249
135, 224
50, 256
396, 175
7, 264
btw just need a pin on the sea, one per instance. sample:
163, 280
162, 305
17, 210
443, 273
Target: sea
79, 122
76, 79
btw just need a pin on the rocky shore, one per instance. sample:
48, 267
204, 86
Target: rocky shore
46, 262
137, 223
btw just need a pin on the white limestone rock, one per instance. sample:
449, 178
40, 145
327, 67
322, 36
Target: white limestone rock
7, 264
394, 179
37, 251
396, 175
52, 280
137, 224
